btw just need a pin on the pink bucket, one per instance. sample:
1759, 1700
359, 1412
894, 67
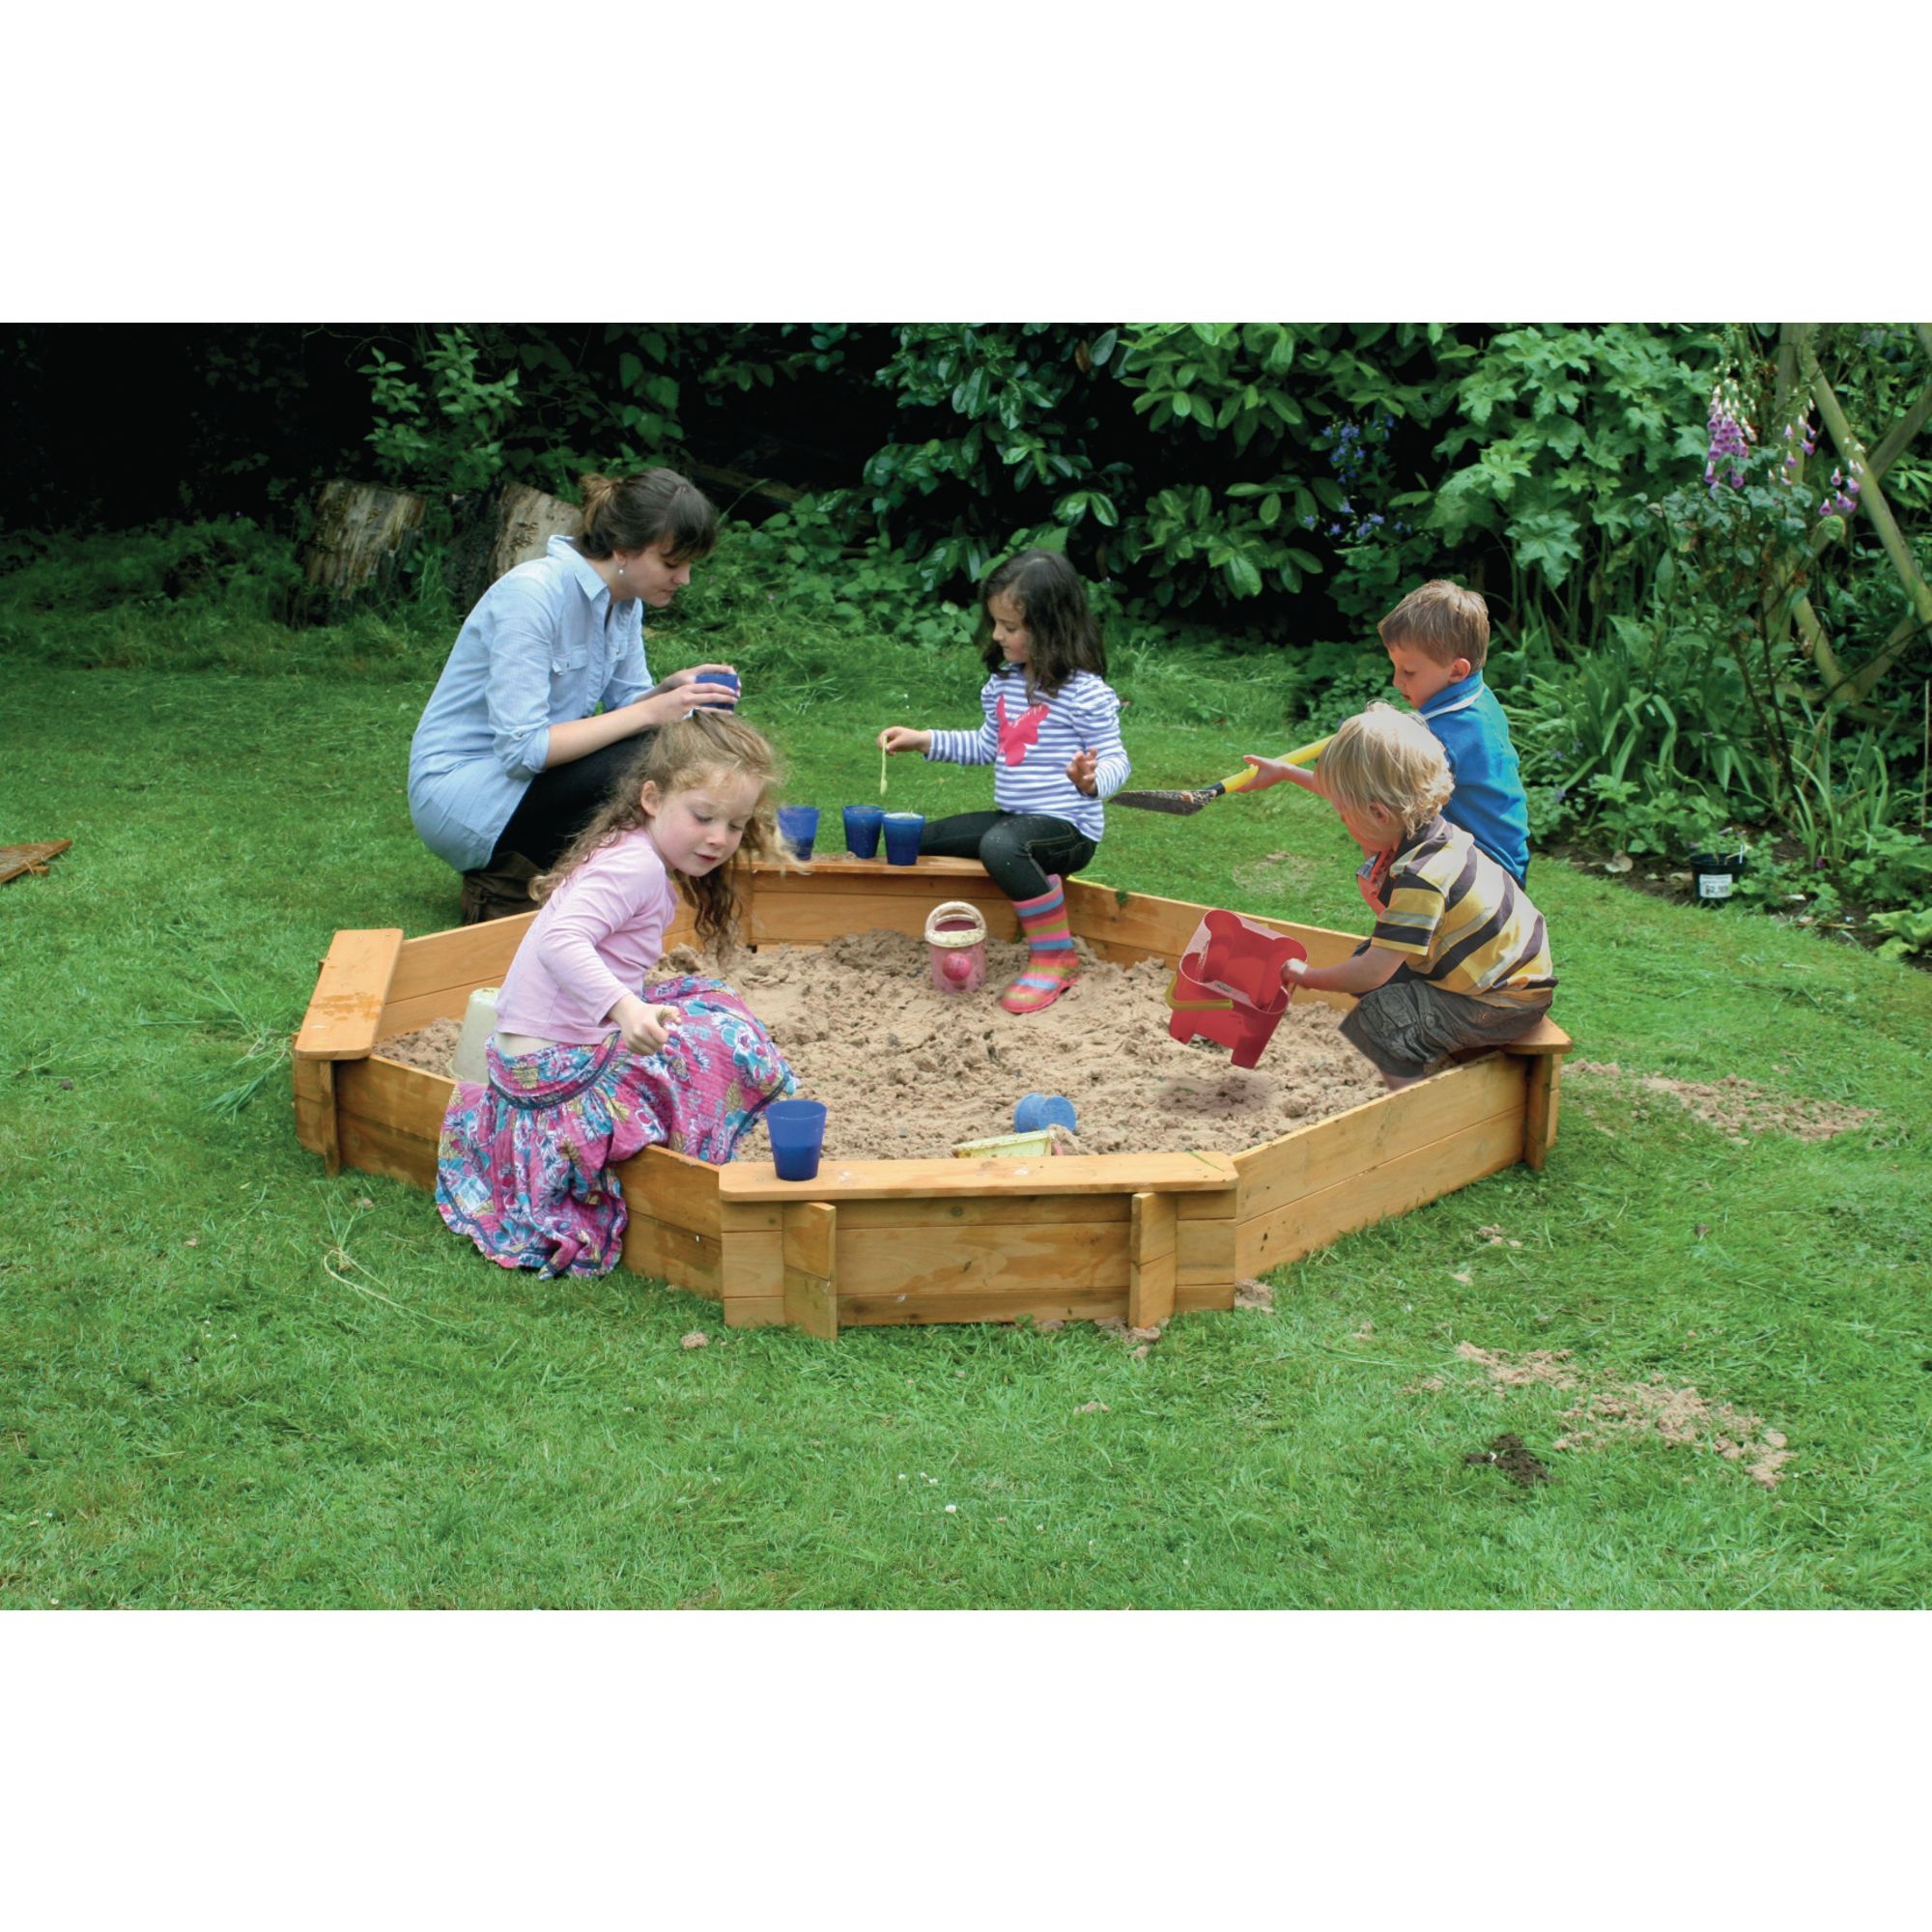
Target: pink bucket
955, 939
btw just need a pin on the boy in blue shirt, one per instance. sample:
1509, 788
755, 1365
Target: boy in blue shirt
1437, 639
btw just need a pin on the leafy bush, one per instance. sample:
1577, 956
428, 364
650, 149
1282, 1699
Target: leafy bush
1565, 431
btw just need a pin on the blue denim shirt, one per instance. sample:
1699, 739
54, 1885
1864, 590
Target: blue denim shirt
545, 645
1487, 802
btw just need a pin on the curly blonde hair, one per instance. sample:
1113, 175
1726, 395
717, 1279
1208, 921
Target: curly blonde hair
1387, 757
691, 752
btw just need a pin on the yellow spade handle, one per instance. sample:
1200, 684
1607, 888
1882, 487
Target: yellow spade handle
1306, 756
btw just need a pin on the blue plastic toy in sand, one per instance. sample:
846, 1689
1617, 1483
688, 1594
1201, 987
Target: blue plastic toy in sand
1044, 1110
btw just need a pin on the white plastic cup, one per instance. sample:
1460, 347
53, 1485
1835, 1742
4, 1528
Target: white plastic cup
479, 1022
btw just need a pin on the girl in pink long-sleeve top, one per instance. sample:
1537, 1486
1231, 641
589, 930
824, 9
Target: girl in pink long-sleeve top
590, 1061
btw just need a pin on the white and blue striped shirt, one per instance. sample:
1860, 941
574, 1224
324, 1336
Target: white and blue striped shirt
1031, 742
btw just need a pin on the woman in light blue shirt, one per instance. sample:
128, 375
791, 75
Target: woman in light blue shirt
547, 693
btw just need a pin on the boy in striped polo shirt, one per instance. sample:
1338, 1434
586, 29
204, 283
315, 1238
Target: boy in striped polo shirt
1459, 957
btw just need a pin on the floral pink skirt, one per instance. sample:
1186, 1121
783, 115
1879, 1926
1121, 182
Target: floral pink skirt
523, 1166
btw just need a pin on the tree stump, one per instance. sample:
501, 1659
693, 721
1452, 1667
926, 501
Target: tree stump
492, 539
360, 531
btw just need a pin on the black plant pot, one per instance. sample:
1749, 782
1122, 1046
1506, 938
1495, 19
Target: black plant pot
1714, 875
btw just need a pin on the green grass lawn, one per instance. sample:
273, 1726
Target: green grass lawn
226, 1379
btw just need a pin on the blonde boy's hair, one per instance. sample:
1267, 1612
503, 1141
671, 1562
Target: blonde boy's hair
1391, 758
1443, 622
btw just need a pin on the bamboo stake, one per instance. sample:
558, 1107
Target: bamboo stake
1871, 496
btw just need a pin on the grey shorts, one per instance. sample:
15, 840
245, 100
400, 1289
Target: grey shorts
1409, 1027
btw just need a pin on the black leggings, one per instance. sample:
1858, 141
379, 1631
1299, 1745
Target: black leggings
558, 803
1017, 848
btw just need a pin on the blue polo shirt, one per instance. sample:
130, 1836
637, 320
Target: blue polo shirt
1487, 802
546, 645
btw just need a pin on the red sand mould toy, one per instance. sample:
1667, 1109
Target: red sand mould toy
1228, 986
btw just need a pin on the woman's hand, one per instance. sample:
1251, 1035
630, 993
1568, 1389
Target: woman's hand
1080, 769
902, 738
700, 691
645, 1028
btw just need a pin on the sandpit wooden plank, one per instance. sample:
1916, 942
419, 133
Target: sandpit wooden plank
1215, 1297
808, 918
810, 1250
983, 1260
376, 1146
940, 1217
672, 1188
809, 1238
755, 1311
1154, 928
749, 1218
14, 859
1151, 1261
835, 864
314, 1104
1204, 1252
674, 1254
437, 973
866, 1311
1064, 1174
1410, 1181
390, 1118
1545, 1036
1352, 1143
1211, 1207
345, 1012
1539, 1108
330, 1117
753, 1264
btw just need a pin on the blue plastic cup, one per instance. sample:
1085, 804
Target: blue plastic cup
729, 677
797, 1131
862, 830
798, 827
1043, 1110
903, 831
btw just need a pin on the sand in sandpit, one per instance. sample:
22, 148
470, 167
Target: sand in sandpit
906, 1070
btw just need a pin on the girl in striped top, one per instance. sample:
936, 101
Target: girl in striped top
1052, 733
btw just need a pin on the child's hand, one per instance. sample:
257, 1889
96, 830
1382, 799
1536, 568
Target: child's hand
902, 738
1080, 769
1274, 772
644, 1028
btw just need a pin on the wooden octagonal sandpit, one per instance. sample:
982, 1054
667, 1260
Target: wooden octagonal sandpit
1137, 1237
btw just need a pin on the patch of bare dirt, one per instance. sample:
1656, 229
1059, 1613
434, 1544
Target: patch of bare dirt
1510, 1457
1548, 1366
1680, 1416
1738, 1107
906, 1071
1609, 1410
